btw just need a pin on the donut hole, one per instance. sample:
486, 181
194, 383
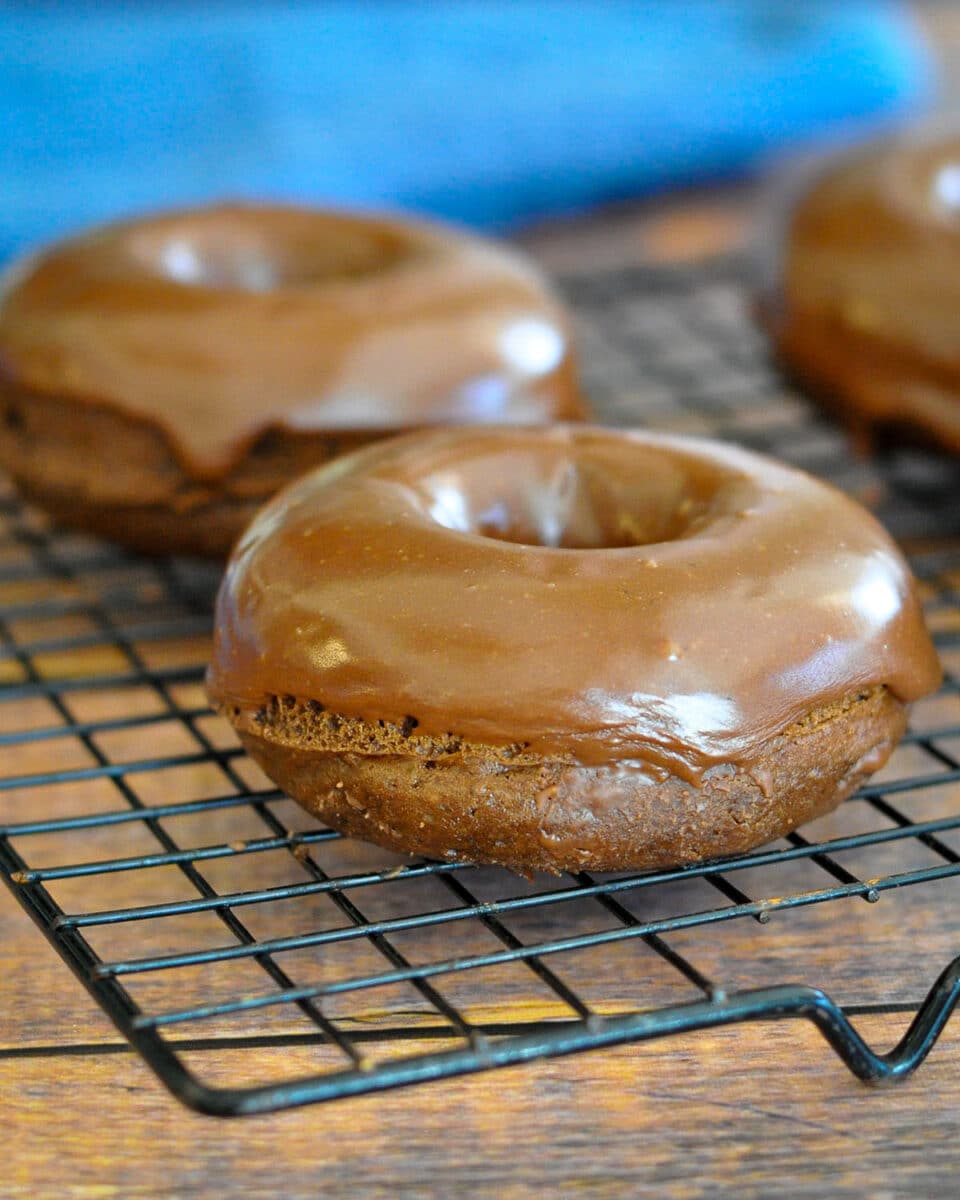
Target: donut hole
595, 495
266, 250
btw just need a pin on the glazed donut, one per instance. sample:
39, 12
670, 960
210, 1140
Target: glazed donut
566, 648
160, 379
865, 304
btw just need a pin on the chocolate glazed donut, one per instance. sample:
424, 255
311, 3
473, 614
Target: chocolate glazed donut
567, 648
160, 379
864, 307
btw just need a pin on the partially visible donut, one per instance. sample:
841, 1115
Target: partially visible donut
865, 304
567, 648
159, 379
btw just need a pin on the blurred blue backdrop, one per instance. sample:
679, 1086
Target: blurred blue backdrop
490, 113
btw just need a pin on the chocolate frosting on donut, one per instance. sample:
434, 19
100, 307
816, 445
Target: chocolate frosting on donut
605, 596
221, 324
868, 299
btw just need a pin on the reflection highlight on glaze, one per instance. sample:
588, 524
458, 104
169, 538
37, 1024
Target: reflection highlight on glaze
532, 346
874, 595
946, 186
180, 261
449, 504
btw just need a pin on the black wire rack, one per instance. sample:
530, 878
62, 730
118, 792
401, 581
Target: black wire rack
204, 912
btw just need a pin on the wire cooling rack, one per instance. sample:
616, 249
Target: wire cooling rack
207, 915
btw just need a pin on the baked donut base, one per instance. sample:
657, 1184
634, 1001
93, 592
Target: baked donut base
207, 531
97, 469
879, 392
444, 798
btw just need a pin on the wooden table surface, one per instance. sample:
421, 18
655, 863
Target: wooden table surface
753, 1110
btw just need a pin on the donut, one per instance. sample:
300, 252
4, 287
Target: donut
566, 647
864, 303
161, 378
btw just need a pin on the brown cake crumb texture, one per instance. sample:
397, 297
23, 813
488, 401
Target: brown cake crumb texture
54, 450
882, 392
451, 799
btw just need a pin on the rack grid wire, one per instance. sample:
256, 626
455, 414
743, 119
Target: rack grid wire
204, 911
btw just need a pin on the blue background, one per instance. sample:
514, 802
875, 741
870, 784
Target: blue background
491, 113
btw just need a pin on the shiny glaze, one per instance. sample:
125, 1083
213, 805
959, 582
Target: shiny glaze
222, 324
869, 297
692, 601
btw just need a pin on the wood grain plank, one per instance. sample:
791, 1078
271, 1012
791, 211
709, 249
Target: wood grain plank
690, 1118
